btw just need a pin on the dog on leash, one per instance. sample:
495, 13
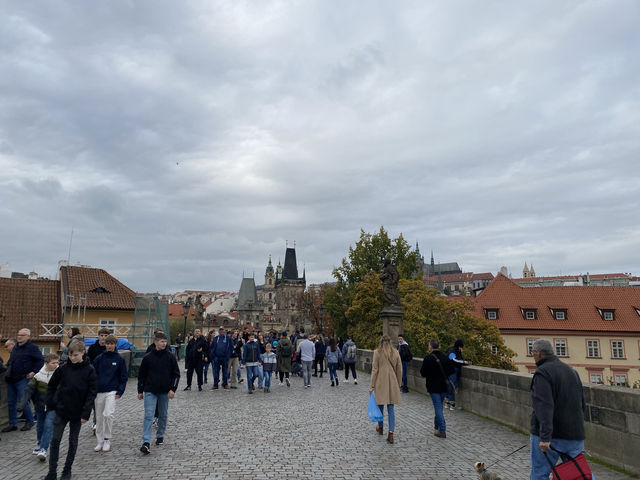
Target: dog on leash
481, 468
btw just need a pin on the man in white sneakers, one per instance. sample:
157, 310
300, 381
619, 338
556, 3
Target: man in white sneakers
112, 380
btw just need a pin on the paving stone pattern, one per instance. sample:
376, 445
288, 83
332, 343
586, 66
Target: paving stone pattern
290, 433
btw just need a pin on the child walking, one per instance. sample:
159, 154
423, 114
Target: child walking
269, 361
36, 391
112, 380
70, 393
334, 355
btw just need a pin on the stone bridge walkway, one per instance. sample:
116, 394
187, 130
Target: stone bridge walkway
290, 433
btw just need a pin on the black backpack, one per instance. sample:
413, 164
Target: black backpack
285, 349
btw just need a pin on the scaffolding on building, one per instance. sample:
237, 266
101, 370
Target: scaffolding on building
151, 313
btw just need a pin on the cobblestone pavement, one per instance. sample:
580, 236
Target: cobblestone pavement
290, 433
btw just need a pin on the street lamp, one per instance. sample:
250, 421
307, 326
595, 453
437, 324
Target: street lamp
186, 307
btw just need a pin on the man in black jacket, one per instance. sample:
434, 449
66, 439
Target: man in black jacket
196, 354
557, 420
70, 392
25, 361
436, 368
158, 379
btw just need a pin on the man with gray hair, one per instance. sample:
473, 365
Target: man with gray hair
557, 422
25, 361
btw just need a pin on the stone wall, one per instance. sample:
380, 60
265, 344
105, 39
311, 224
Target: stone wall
612, 418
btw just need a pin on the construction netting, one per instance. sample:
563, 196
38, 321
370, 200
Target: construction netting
150, 314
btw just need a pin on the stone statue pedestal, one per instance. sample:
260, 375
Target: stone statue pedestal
392, 324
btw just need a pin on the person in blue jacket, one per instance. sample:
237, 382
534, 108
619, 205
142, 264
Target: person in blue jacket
112, 380
25, 361
251, 359
220, 352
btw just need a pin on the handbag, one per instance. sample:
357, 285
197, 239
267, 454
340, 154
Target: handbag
571, 468
375, 415
450, 389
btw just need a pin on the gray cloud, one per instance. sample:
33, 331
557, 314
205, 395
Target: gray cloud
184, 143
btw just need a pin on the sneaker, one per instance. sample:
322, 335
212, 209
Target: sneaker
9, 428
214, 387
160, 441
440, 434
199, 388
27, 426
355, 382
66, 475
240, 380
333, 384
281, 384
226, 387
98, 447
145, 448
51, 476
35, 451
42, 455
288, 382
314, 374
346, 380
250, 391
106, 446
336, 382
306, 386
187, 388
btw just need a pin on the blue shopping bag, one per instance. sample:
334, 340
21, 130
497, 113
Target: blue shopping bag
375, 415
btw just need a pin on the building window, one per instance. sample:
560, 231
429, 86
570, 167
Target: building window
617, 348
494, 349
561, 347
607, 315
530, 314
270, 280
596, 378
269, 296
492, 314
107, 323
530, 346
593, 348
621, 380
560, 315
45, 350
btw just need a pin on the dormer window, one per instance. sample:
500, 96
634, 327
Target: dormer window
100, 290
607, 314
491, 313
558, 313
529, 312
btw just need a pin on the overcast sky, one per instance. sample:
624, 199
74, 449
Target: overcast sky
184, 142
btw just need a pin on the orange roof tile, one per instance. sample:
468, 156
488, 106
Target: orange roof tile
101, 289
581, 304
28, 304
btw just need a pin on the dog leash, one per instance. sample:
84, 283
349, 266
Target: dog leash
498, 461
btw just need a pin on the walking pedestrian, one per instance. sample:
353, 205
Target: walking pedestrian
405, 356
233, 374
454, 354
350, 357
284, 353
269, 361
557, 420
25, 360
262, 345
70, 392
220, 352
111, 372
307, 352
208, 361
251, 358
333, 355
386, 378
321, 349
197, 351
158, 379
436, 368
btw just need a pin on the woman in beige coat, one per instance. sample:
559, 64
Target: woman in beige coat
386, 379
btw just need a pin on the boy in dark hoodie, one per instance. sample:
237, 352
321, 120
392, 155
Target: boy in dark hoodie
70, 393
158, 379
112, 380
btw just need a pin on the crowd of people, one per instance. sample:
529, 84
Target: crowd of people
64, 389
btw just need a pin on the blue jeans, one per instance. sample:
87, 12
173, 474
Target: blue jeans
453, 380
540, 468
151, 400
252, 374
438, 400
205, 369
392, 417
45, 427
267, 379
333, 371
404, 376
14, 393
307, 365
260, 376
220, 362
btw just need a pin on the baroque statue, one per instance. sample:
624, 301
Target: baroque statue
390, 277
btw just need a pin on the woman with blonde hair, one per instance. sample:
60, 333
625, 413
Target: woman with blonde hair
386, 379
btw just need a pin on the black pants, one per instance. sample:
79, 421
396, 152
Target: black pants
282, 375
59, 425
197, 366
319, 360
348, 366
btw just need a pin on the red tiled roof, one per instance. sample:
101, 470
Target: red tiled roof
177, 310
457, 277
571, 277
101, 289
482, 276
581, 304
28, 304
